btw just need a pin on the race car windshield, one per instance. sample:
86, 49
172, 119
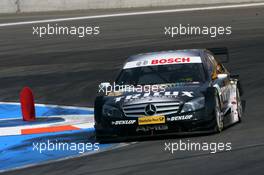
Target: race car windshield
162, 74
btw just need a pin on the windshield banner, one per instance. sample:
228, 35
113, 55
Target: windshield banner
162, 61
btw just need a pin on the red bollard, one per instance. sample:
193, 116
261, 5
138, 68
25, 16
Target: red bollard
27, 104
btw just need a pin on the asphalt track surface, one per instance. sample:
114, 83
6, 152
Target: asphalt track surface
67, 70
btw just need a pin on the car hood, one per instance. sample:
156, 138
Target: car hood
181, 93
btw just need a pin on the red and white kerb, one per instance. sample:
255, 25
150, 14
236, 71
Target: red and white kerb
162, 61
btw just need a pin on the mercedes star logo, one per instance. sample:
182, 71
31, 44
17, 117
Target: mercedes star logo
150, 109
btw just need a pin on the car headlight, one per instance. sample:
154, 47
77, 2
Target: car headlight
109, 111
193, 105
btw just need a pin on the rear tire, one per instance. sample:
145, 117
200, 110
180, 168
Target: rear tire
239, 106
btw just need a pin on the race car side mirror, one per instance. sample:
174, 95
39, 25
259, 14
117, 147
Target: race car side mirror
221, 76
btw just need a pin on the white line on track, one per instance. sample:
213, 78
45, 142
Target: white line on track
16, 130
48, 105
133, 14
77, 121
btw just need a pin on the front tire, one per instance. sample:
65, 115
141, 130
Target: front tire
219, 123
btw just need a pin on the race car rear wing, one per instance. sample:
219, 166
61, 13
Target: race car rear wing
220, 51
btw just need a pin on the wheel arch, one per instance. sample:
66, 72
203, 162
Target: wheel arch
210, 94
98, 106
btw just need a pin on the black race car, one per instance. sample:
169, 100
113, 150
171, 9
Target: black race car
179, 91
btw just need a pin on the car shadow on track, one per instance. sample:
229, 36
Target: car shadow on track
152, 137
163, 137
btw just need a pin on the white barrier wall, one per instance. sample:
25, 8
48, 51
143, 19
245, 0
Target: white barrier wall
10, 6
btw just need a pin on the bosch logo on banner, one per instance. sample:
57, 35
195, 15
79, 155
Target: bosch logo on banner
171, 60
162, 61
